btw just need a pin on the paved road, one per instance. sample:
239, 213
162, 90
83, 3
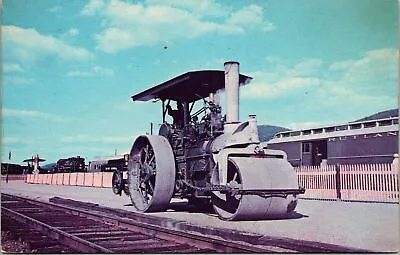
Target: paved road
373, 226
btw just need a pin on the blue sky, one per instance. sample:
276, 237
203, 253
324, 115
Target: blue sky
70, 67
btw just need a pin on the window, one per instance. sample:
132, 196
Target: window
295, 133
329, 129
306, 148
340, 128
385, 123
317, 131
370, 124
355, 126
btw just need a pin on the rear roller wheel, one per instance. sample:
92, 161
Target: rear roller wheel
256, 174
151, 173
117, 182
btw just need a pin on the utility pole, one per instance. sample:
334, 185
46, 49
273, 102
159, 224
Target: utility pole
7, 174
9, 160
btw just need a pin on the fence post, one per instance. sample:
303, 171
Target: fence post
337, 176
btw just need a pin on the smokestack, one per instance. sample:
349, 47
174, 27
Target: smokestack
232, 95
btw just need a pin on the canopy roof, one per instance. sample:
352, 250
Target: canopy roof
32, 160
189, 87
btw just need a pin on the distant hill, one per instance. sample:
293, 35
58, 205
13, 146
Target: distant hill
48, 166
381, 115
266, 132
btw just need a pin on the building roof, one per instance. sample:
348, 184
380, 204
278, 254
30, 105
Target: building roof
189, 87
347, 129
106, 159
32, 160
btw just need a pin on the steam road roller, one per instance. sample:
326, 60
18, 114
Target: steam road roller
206, 157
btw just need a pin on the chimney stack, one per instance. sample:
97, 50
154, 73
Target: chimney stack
232, 95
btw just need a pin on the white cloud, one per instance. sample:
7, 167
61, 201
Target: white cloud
283, 80
373, 57
366, 80
198, 8
103, 71
268, 26
304, 125
378, 66
95, 72
32, 114
29, 44
101, 139
80, 74
92, 7
12, 68
340, 91
342, 94
251, 15
340, 66
12, 140
17, 80
129, 25
384, 54
303, 67
369, 80
136, 25
285, 86
72, 32
55, 8
306, 67
24, 113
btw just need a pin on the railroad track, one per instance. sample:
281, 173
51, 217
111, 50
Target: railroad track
17, 237
90, 232
87, 227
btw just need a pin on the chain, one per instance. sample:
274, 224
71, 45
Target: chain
209, 188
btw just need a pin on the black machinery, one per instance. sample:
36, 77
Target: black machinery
208, 158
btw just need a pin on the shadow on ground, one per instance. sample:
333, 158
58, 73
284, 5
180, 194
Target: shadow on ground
190, 208
187, 207
209, 210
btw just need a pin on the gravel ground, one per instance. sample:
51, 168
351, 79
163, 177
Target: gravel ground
9, 245
373, 226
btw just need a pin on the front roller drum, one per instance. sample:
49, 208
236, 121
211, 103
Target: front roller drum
256, 174
151, 173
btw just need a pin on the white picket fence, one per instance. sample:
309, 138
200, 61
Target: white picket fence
362, 182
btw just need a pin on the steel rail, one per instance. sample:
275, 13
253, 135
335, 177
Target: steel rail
177, 236
230, 234
57, 234
125, 219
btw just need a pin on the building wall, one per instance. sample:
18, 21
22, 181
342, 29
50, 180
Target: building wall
360, 149
371, 148
293, 151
